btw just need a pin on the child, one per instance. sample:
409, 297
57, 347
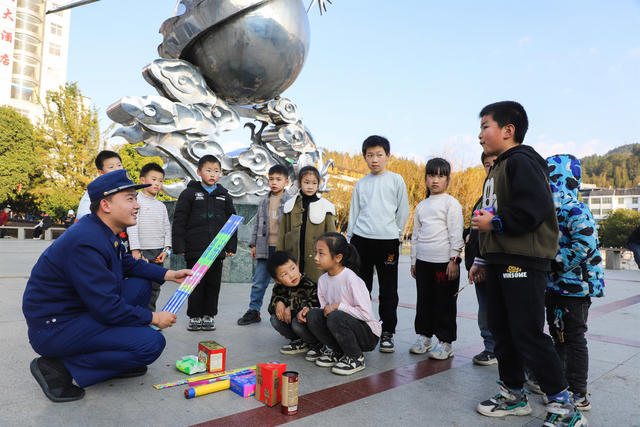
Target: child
518, 239
306, 217
344, 323
576, 275
202, 210
486, 357
106, 161
291, 293
436, 244
265, 238
379, 211
151, 236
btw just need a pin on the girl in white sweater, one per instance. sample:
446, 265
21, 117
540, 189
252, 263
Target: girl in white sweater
436, 244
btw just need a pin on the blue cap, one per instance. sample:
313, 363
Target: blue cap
111, 183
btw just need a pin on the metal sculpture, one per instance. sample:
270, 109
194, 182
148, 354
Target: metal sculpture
222, 62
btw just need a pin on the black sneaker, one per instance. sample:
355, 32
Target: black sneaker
195, 324
314, 353
294, 347
563, 414
349, 365
207, 324
485, 358
386, 343
328, 359
251, 316
507, 402
55, 380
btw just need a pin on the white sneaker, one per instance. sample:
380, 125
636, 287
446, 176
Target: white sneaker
441, 352
422, 345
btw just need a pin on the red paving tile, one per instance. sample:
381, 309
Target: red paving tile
596, 312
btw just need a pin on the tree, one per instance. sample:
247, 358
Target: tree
70, 137
614, 230
132, 161
17, 155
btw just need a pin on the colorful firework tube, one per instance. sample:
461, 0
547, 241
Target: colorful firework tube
191, 381
289, 393
201, 390
226, 377
204, 262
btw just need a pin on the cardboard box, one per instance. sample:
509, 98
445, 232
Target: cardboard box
244, 385
213, 355
268, 380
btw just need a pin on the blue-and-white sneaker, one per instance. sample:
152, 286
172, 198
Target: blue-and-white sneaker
441, 352
422, 345
564, 414
506, 402
195, 324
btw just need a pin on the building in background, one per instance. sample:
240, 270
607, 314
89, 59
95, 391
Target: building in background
602, 202
33, 53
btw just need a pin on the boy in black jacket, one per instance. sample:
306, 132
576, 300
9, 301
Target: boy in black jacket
202, 210
518, 239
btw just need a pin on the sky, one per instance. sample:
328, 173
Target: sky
417, 71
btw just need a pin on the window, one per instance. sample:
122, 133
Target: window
56, 29
606, 211
606, 200
595, 201
595, 211
634, 200
55, 49
621, 200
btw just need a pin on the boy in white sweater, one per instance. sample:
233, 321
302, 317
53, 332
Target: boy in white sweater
150, 238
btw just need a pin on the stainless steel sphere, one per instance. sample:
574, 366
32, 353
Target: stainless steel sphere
255, 54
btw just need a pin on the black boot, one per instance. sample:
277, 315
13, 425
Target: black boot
55, 380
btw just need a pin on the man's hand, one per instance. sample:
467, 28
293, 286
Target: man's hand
280, 307
413, 271
330, 307
253, 252
302, 315
136, 254
177, 276
482, 221
476, 273
453, 270
163, 319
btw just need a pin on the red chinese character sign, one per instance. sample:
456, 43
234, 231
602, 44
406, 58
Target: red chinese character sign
7, 39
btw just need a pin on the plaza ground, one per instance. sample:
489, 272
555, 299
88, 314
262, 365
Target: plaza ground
394, 390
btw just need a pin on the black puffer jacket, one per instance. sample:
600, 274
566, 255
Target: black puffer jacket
198, 218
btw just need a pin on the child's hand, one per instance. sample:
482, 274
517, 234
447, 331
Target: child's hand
253, 252
230, 254
482, 221
136, 254
413, 271
330, 307
287, 316
453, 270
280, 310
160, 258
476, 273
302, 315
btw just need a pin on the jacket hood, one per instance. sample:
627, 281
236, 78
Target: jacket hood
197, 185
527, 150
565, 176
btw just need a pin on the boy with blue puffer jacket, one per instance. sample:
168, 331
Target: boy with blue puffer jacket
576, 275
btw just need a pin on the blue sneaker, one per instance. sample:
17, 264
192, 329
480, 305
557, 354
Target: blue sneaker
564, 414
507, 402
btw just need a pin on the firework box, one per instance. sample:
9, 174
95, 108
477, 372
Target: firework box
213, 355
244, 385
268, 380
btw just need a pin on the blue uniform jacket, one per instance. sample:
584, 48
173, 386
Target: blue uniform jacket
576, 270
84, 271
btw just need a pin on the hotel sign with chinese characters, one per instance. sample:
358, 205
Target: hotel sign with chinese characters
7, 37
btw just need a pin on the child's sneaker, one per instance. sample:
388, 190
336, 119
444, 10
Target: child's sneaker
195, 324
251, 316
294, 347
314, 353
207, 324
328, 359
581, 401
563, 414
507, 402
485, 358
422, 345
348, 365
441, 352
386, 343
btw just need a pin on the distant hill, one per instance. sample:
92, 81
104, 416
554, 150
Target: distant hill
619, 168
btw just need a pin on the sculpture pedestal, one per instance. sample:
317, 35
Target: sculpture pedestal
238, 269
